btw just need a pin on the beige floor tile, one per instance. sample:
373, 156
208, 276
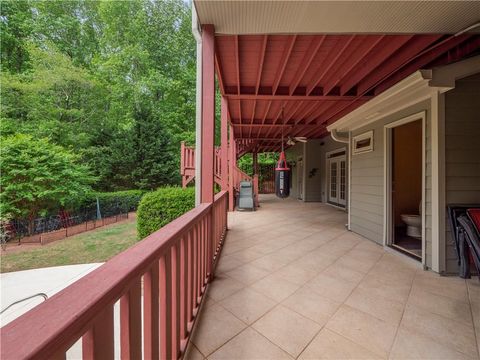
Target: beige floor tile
441, 305
380, 307
214, 328
452, 287
248, 273
329, 345
314, 261
249, 345
227, 263
223, 286
311, 305
275, 287
374, 334
270, 262
338, 271
378, 286
192, 353
247, 305
354, 263
413, 345
449, 332
331, 288
246, 255
295, 274
287, 329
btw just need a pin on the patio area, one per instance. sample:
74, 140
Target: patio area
292, 282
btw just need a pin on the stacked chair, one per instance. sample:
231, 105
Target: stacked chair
465, 226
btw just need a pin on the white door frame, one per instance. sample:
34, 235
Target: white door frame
347, 184
387, 166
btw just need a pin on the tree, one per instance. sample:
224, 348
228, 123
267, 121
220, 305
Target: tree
39, 177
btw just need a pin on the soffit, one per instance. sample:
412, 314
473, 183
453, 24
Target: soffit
303, 17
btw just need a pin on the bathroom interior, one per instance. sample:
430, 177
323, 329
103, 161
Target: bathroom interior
407, 188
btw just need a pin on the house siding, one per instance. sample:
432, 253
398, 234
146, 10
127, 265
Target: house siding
292, 154
462, 149
367, 181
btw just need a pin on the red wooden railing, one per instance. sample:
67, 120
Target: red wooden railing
174, 266
187, 164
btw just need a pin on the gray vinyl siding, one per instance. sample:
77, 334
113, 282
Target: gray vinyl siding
292, 154
316, 158
313, 184
462, 151
367, 181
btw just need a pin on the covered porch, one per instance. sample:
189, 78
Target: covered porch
292, 282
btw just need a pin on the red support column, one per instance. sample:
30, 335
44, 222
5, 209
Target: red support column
208, 113
231, 164
224, 144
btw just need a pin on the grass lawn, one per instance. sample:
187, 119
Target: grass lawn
93, 246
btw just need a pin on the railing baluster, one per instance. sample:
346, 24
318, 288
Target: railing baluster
176, 309
166, 293
97, 343
131, 323
151, 313
184, 286
190, 277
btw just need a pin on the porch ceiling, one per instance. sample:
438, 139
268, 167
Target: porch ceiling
316, 79
337, 17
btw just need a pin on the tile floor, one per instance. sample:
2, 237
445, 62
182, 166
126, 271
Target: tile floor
293, 283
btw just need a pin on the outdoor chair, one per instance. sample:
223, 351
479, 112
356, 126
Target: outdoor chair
465, 225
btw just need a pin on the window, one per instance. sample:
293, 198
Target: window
363, 143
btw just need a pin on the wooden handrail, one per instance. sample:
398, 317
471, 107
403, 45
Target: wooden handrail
174, 263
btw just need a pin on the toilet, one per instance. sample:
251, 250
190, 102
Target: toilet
414, 223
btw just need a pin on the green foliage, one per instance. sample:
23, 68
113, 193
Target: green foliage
160, 207
38, 177
245, 163
112, 80
112, 202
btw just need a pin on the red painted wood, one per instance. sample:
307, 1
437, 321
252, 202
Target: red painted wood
85, 308
131, 323
151, 311
208, 113
97, 343
166, 310
176, 302
423, 59
231, 157
393, 63
224, 143
288, 47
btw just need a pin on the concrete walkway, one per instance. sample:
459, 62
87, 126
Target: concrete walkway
21, 284
292, 283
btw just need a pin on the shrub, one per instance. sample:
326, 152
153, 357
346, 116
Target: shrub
39, 177
123, 201
160, 207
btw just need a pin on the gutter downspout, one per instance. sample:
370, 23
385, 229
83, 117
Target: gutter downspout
198, 107
335, 136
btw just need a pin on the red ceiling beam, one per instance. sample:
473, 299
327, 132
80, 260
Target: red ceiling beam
395, 62
384, 50
425, 59
315, 45
325, 70
259, 76
362, 52
235, 124
293, 97
286, 56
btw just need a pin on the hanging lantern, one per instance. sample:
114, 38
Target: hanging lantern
282, 177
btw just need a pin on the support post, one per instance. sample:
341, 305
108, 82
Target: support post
208, 114
224, 144
231, 164
255, 162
